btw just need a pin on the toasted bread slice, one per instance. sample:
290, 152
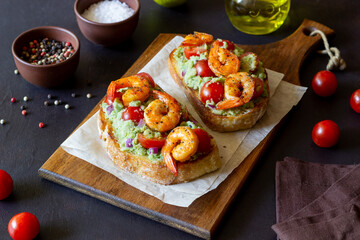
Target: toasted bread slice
155, 171
244, 120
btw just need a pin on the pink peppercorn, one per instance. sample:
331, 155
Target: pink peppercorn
23, 112
41, 125
13, 100
68, 44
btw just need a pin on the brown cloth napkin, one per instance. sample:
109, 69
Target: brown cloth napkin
317, 201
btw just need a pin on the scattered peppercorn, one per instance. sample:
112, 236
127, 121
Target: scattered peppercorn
88, 95
47, 51
16, 71
73, 95
2, 121
13, 100
67, 106
23, 107
23, 112
46, 103
56, 102
41, 125
26, 98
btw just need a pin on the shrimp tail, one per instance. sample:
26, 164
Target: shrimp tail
229, 103
170, 163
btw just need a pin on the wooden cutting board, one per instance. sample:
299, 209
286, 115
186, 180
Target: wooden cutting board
203, 216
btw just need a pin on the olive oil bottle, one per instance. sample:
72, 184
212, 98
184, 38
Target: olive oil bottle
257, 17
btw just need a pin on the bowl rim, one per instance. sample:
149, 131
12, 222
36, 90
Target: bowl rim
78, 15
45, 27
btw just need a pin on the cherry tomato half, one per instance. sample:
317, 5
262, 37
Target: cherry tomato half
324, 83
326, 133
151, 142
259, 88
204, 140
355, 101
202, 69
24, 226
212, 91
148, 77
6, 184
193, 51
134, 114
230, 45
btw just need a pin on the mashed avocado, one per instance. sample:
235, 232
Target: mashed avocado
188, 71
127, 131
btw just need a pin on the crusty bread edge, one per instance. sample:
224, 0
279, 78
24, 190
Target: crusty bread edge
213, 121
156, 172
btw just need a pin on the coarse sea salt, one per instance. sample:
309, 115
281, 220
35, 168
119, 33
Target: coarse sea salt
108, 11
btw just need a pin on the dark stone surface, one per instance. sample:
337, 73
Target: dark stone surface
66, 214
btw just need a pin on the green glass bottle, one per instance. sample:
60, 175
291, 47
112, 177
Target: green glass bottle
257, 17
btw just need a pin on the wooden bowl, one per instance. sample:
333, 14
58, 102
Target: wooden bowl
52, 75
106, 34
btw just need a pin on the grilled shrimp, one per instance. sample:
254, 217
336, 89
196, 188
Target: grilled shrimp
181, 143
239, 89
138, 89
163, 113
197, 39
222, 61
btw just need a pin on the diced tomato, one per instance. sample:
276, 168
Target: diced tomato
212, 91
193, 51
259, 88
134, 114
230, 45
203, 69
151, 142
204, 140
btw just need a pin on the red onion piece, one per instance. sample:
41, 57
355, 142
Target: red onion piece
183, 73
141, 123
212, 106
153, 150
128, 142
109, 109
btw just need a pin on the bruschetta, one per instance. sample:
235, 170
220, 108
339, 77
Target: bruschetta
148, 132
228, 87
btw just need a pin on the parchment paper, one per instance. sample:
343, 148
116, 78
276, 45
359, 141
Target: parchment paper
233, 147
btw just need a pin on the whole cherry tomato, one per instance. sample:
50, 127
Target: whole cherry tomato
193, 51
6, 184
151, 142
212, 91
355, 101
324, 83
134, 114
326, 133
202, 69
204, 140
148, 77
24, 226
